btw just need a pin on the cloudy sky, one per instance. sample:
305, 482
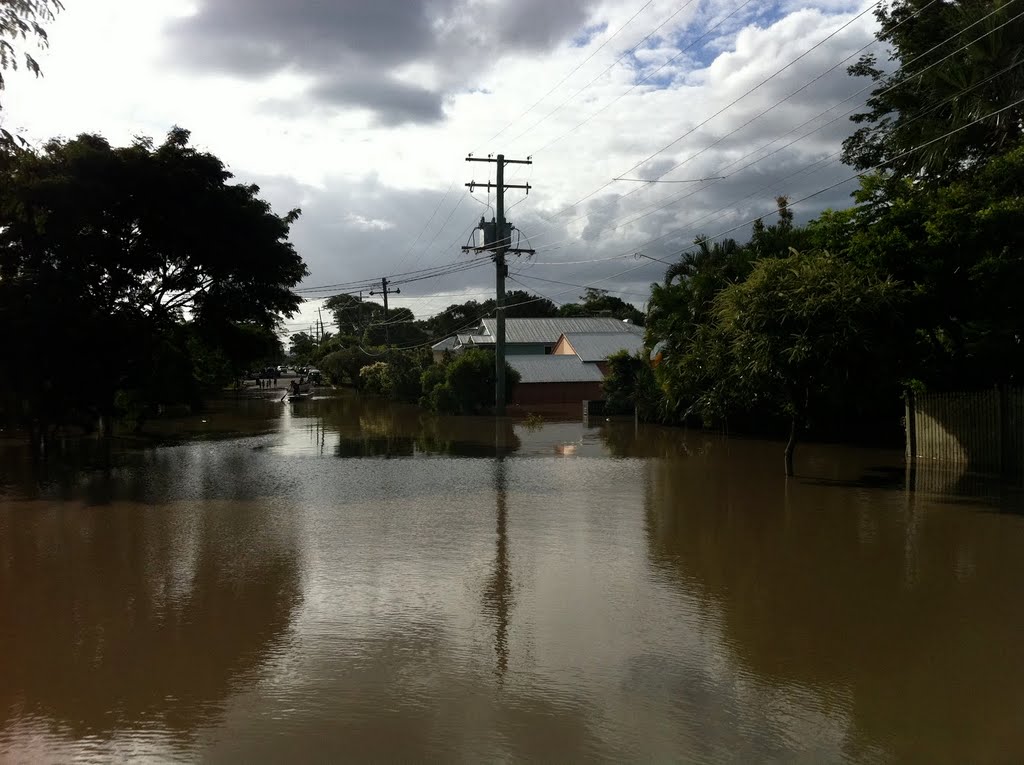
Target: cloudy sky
362, 114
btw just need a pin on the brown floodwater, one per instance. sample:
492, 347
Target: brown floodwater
342, 579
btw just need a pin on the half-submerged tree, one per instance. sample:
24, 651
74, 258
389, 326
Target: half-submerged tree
799, 326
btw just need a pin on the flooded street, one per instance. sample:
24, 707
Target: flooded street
349, 580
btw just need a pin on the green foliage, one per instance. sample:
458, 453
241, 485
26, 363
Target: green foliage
396, 376
629, 386
400, 329
19, 20
913, 107
104, 252
342, 366
466, 385
462, 317
533, 421
377, 378
301, 347
352, 314
801, 325
600, 303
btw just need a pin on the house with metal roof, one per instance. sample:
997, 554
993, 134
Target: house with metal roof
596, 347
554, 380
539, 336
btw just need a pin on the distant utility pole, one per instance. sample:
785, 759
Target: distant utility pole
497, 239
385, 292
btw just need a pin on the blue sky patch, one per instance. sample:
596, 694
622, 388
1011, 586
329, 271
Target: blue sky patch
583, 39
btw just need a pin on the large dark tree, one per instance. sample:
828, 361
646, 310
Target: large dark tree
111, 255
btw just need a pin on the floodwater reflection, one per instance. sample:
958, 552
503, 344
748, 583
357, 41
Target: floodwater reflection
354, 580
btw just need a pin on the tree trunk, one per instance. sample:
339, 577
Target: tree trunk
791, 446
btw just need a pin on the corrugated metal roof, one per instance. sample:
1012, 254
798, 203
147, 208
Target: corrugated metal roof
548, 331
598, 346
554, 369
445, 345
468, 341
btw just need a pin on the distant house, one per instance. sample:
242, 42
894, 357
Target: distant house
539, 336
596, 347
446, 345
554, 380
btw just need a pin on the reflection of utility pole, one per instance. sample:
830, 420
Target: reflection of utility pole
498, 242
498, 594
385, 292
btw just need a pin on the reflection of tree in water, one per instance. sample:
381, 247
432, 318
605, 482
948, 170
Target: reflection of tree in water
377, 428
909, 609
128, 615
623, 439
498, 600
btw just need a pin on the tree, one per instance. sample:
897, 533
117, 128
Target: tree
466, 385
922, 100
301, 347
399, 329
961, 248
801, 325
108, 252
629, 386
463, 317
598, 302
19, 20
352, 314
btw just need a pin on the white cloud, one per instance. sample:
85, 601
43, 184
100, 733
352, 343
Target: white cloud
368, 189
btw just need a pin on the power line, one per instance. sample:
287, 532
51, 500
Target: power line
725, 108
583, 122
571, 73
861, 174
679, 197
606, 70
580, 286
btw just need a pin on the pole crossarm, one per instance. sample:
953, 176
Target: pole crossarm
527, 161
508, 250
474, 184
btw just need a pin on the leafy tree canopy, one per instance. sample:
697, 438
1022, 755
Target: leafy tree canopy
20, 20
933, 87
597, 302
116, 253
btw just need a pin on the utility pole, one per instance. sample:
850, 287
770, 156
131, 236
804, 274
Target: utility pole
385, 292
320, 330
497, 239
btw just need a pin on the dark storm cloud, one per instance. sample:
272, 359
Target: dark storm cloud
354, 48
392, 102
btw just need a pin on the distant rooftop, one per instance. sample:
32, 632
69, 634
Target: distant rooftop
554, 369
445, 345
598, 346
548, 331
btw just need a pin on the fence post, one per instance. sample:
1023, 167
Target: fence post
1003, 410
910, 426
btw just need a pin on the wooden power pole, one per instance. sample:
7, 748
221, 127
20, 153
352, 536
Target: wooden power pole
497, 238
385, 292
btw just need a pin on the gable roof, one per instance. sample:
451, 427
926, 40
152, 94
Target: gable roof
598, 346
547, 331
554, 369
445, 345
